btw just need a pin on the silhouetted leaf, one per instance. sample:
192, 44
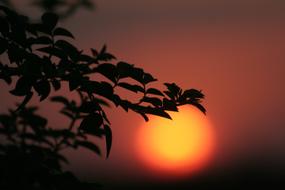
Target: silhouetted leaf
169, 105
36, 138
131, 87
4, 26
108, 70
89, 107
6, 78
102, 102
104, 56
199, 106
144, 116
49, 20
124, 69
69, 49
3, 45
15, 53
48, 68
173, 89
93, 120
88, 59
137, 74
147, 78
104, 89
40, 40
25, 101
74, 80
94, 52
105, 117
157, 111
23, 87
67, 114
89, 145
169, 94
192, 93
53, 51
60, 99
56, 84
35, 121
59, 133
125, 104
154, 101
154, 91
62, 32
108, 137
43, 89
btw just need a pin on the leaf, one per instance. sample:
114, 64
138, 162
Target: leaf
108, 70
48, 67
56, 84
15, 53
53, 51
137, 74
169, 105
157, 111
23, 87
49, 20
94, 52
25, 101
4, 26
62, 32
169, 94
149, 110
93, 120
69, 49
108, 137
89, 145
60, 99
88, 59
193, 94
36, 121
43, 89
131, 87
154, 91
199, 106
74, 80
67, 114
144, 116
104, 56
154, 101
6, 78
173, 89
124, 69
40, 40
104, 89
3, 45
147, 78
89, 107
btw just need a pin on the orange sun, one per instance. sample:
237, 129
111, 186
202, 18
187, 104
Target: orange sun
182, 145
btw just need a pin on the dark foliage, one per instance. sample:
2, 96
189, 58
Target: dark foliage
40, 57
63, 8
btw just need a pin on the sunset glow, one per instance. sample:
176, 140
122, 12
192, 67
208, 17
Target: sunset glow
180, 146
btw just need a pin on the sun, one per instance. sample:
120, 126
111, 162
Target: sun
182, 145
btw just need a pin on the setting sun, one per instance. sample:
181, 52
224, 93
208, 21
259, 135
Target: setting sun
181, 145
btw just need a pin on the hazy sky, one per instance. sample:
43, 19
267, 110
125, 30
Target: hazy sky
231, 49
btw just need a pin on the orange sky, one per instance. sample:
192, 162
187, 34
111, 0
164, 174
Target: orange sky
232, 50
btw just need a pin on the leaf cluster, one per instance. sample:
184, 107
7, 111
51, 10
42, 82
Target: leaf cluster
39, 58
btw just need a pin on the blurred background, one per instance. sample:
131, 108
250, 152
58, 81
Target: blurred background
233, 50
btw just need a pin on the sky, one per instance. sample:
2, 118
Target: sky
233, 50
